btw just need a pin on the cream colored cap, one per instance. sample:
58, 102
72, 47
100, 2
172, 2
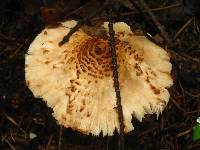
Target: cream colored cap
76, 78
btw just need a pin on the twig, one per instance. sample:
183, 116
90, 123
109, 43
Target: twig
147, 131
152, 9
191, 94
136, 12
9, 118
183, 27
192, 112
177, 104
166, 7
115, 78
184, 57
16, 51
11, 146
49, 142
154, 19
183, 133
7, 38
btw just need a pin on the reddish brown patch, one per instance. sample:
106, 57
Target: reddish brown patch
78, 73
129, 48
147, 79
83, 102
139, 71
71, 81
76, 82
73, 89
131, 52
69, 111
45, 32
138, 58
117, 41
54, 66
86, 94
115, 109
47, 62
98, 50
153, 73
65, 56
130, 34
27, 83
65, 51
26, 65
83, 68
155, 90
50, 42
88, 114
82, 108
70, 105
38, 85
62, 62
121, 33
107, 75
44, 50
63, 117
67, 94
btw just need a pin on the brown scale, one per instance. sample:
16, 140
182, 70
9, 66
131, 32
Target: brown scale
44, 50
71, 93
155, 90
45, 32
138, 70
94, 58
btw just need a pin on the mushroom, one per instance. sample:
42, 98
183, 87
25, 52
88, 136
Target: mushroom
75, 79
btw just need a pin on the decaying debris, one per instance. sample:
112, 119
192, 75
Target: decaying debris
76, 78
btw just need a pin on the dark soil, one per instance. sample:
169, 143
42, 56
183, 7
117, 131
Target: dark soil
26, 122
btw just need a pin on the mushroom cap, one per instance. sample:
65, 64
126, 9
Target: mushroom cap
76, 80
